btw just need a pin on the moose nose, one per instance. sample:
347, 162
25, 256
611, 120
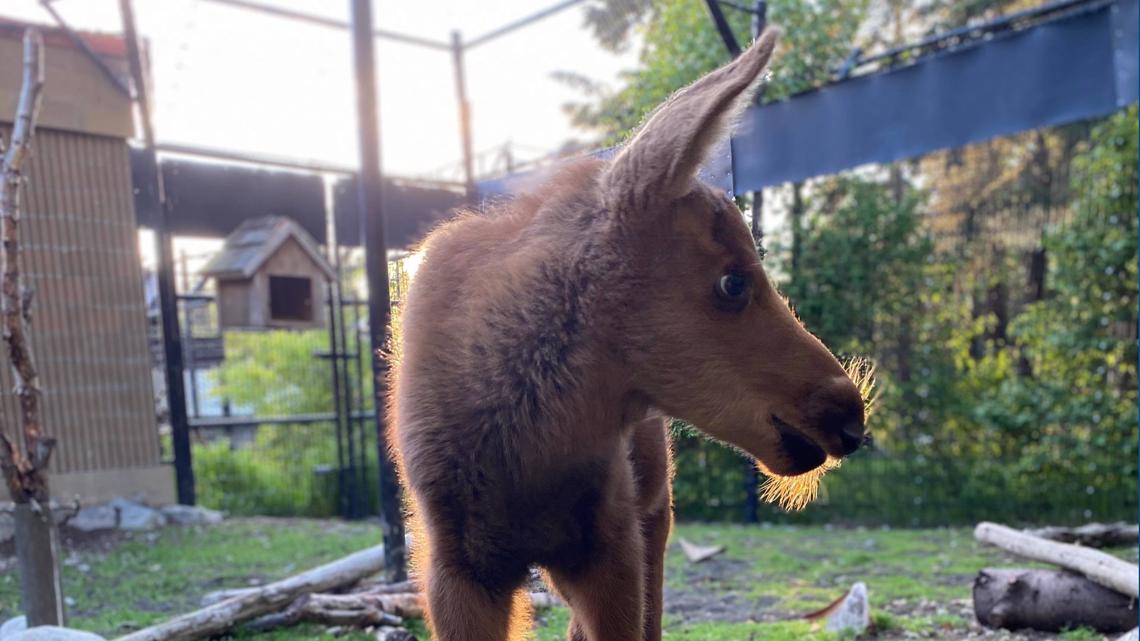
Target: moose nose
841, 408
851, 436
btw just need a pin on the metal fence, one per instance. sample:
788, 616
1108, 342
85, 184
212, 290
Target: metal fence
281, 420
989, 240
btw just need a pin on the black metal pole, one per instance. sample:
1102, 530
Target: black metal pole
759, 21
368, 184
752, 478
723, 28
154, 200
759, 18
464, 112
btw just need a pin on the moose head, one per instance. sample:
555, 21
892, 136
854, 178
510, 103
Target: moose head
712, 341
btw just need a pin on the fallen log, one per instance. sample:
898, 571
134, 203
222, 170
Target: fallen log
385, 633
1093, 535
407, 605
1100, 567
383, 587
222, 616
370, 586
1050, 601
362, 609
308, 608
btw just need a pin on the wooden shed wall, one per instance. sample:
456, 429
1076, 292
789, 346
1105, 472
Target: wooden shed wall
89, 316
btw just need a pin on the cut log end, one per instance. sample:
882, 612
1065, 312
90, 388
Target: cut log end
1049, 600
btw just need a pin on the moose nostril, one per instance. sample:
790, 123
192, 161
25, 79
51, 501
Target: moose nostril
851, 436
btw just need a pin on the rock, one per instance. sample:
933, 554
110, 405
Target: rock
853, 613
1132, 635
136, 516
12, 626
91, 519
191, 515
120, 513
53, 633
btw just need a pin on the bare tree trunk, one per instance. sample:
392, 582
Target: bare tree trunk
25, 470
797, 214
1049, 600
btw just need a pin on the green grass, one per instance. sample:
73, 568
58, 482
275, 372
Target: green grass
145, 581
773, 573
806, 568
1080, 634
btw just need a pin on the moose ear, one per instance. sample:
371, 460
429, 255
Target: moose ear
661, 161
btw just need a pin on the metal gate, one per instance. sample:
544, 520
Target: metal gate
280, 419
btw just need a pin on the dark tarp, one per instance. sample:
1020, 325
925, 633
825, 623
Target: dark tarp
1078, 66
209, 199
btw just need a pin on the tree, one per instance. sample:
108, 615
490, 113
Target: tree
1076, 414
25, 468
680, 44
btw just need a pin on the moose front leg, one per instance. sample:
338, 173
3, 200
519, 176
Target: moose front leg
604, 587
605, 598
650, 456
656, 528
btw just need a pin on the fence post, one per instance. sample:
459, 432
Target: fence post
368, 185
464, 113
155, 199
752, 475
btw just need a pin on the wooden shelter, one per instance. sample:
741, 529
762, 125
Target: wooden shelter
270, 275
89, 330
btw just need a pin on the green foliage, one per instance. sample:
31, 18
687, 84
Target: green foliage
278, 474
289, 468
1082, 633
680, 44
1028, 418
709, 480
1073, 412
1039, 423
275, 373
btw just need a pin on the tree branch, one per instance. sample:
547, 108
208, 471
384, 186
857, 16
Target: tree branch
13, 302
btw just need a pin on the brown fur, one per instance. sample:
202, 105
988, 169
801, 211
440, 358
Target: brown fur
537, 342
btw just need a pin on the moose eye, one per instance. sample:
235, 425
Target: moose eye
733, 288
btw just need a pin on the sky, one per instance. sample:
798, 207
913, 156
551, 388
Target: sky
233, 79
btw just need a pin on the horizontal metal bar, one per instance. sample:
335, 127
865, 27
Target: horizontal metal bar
998, 24
315, 166
222, 422
519, 24
332, 23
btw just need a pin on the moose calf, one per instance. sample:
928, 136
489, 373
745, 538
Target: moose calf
543, 345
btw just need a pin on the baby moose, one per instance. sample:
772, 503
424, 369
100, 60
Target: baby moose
545, 342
